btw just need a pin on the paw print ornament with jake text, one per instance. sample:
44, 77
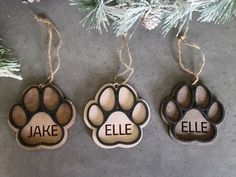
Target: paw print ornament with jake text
117, 115
43, 116
192, 113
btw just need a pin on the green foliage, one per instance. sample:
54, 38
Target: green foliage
124, 14
182, 14
133, 13
220, 11
97, 17
84, 5
8, 66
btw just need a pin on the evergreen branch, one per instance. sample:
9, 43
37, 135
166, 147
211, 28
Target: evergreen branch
84, 5
29, 1
166, 13
8, 66
219, 11
96, 18
181, 14
127, 15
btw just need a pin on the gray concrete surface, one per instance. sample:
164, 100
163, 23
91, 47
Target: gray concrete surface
88, 62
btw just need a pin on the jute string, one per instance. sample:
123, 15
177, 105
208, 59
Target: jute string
128, 65
50, 28
182, 41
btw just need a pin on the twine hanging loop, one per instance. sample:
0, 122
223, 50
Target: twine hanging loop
128, 65
181, 40
50, 29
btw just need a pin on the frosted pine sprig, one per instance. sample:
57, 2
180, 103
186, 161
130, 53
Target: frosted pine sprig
125, 15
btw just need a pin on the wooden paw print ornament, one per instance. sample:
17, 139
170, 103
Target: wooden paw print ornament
43, 116
192, 112
117, 115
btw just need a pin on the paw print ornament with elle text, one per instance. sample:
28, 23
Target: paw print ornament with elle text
42, 118
117, 115
192, 112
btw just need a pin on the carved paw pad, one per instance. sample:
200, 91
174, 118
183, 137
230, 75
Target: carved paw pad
192, 113
116, 116
42, 118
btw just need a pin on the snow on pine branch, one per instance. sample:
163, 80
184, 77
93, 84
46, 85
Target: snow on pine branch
167, 14
8, 66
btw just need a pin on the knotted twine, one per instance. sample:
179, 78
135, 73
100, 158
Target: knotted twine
50, 28
181, 40
128, 65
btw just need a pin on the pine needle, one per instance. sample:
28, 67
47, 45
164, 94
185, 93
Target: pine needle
174, 13
220, 11
8, 66
127, 16
97, 17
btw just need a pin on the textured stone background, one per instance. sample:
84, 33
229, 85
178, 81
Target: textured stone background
88, 62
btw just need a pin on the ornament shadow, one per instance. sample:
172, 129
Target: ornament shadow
16, 96
158, 97
188, 54
87, 95
168, 79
